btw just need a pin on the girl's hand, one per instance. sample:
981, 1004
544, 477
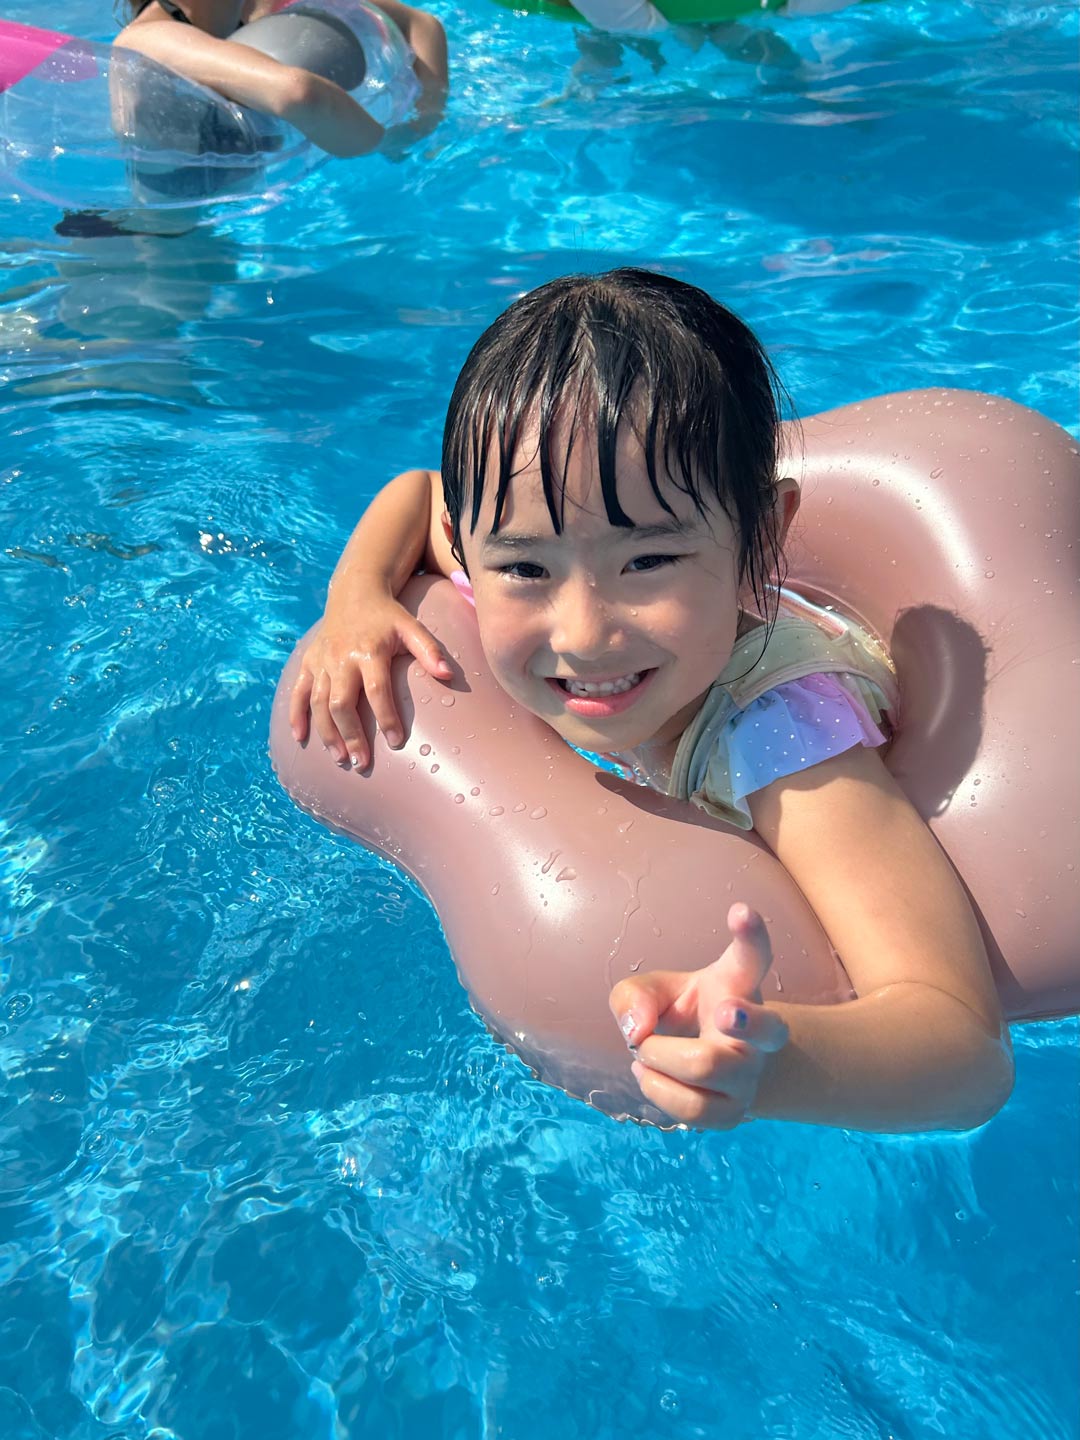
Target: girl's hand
348, 660
701, 1037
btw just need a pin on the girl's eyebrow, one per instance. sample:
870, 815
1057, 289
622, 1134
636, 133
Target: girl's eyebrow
662, 530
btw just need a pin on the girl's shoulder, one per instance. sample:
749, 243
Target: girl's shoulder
795, 693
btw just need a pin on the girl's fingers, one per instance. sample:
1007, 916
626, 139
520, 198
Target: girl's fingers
299, 705
745, 962
755, 1025
323, 720
731, 1069
344, 708
331, 681
700, 1109
423, 646
639, 1001
380, 697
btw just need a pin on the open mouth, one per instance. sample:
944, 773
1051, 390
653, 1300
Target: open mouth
596, 699
588, 688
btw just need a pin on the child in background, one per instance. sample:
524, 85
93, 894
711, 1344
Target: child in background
189, 36
611, 501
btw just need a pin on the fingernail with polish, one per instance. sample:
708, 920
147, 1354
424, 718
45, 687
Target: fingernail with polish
628, 1024
732, 1017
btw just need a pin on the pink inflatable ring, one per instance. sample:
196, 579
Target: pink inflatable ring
946, 521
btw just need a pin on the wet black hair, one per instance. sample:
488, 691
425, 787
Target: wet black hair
595, 352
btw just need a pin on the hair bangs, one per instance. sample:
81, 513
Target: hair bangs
584, 357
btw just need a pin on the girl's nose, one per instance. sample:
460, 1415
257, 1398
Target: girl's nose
585, 626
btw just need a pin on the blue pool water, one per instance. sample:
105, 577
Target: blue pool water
264, 1175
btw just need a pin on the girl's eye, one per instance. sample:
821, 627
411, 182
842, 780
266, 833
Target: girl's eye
522, 570
642, 564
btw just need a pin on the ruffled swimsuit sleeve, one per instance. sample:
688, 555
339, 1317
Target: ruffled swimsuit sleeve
790, 728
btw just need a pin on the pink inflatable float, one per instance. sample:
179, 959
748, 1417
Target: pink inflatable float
946, 521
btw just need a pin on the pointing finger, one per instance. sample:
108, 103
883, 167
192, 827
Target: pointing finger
745, 963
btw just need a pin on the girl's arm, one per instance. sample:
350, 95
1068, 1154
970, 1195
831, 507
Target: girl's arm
426, 38
364, 627
321, 110
922, 1048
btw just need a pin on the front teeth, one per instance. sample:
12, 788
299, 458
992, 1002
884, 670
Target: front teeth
606, 687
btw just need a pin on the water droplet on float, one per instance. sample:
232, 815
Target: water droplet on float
425, 749
459, 799
495, 888
538, 813
425, 699
496, 810
937, 474
875, 482
988, 574
568, 873
434, 769
1022, 914
517, 809
475, 790
625, 826
447, 700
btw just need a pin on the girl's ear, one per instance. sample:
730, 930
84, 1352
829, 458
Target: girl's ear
785, 507
448, 536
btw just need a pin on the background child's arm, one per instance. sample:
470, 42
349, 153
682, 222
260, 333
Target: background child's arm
426, 38
364, 627
325, 113
923, 1046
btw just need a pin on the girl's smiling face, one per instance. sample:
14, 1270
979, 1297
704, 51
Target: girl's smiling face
611, 634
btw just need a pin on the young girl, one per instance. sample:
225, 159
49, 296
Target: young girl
610, 501
190, 36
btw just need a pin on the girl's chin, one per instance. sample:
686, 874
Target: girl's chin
597, 736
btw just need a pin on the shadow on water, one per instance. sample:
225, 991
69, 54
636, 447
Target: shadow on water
114, 314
